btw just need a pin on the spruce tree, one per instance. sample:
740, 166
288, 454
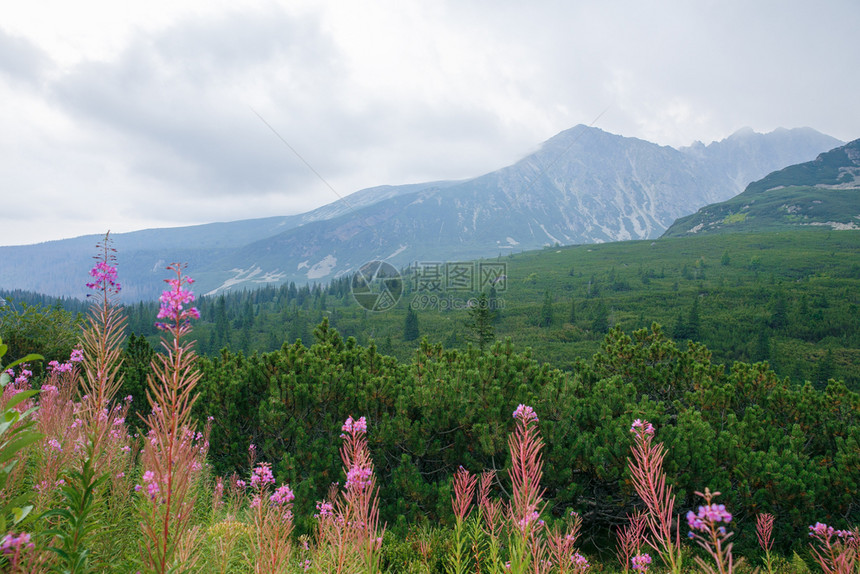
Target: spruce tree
410, 325
546, 314
479, 323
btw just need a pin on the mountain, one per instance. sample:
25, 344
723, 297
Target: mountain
823, 192
583, 185
62, 265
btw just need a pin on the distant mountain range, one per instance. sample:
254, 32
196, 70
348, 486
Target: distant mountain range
824, 192
583, 185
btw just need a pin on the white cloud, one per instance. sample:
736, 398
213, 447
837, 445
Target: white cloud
137, 115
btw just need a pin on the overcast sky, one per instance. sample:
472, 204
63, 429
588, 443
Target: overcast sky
128, 115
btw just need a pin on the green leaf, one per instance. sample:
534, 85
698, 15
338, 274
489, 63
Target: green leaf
19, 514
18, 398
28, 359
12, 448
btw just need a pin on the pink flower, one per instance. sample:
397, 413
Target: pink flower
283, 495
324, 509
534, 517
642, 426
579, 561
262, 475
13, 544
822, 530
23, 375
105, 278
358, 477
148, 476
525, 413
354, 426
641, 562
173, 301
77, 356
708, 514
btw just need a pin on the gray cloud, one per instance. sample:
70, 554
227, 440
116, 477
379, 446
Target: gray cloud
20, 60
180, 102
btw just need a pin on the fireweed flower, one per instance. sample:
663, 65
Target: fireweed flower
105, 278
173, 302
12, 544
642, 426
324, 509
641, 562
282, 495
821, 529
262, 476
709, 513
50, 390
77, 356
354, 426
23, 375
533, 517
358, 477
525, 413
580, 561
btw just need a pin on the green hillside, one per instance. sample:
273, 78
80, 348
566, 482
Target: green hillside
789, 297
835, 167
824, 192
775, 209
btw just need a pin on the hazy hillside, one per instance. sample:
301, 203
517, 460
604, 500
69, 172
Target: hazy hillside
823, 192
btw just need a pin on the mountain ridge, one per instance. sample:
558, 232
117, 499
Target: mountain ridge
822, 192
583, 185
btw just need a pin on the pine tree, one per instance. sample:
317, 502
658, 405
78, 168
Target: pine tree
546, 314
693, 321
600, 317
410, 327
479, 323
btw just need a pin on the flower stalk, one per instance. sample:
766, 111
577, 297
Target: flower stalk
705, 528
649, 480
764, 532
174, 452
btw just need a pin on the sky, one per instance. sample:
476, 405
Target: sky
131, 115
